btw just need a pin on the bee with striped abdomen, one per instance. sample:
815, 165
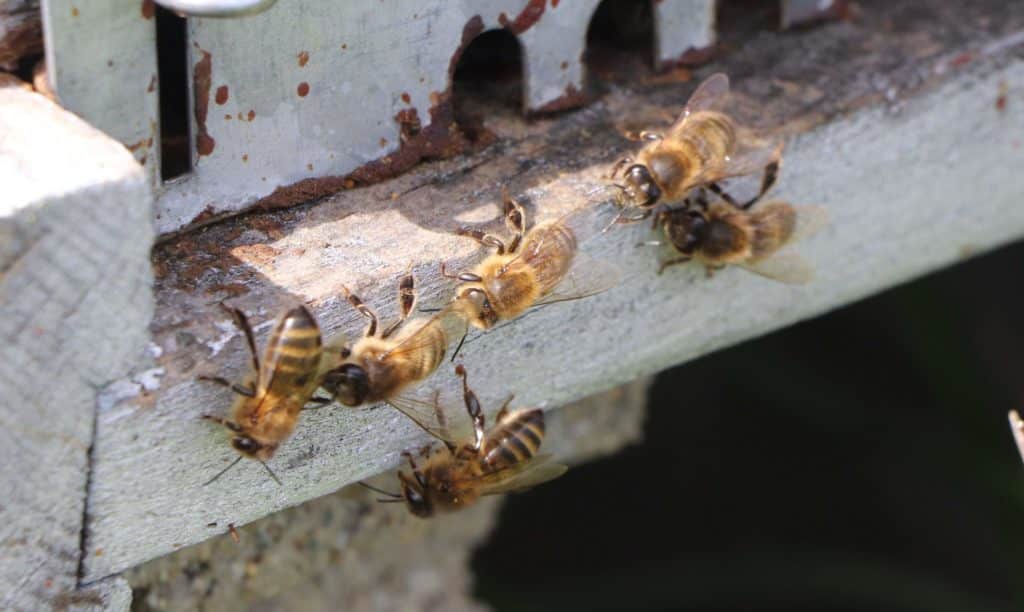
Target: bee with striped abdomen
280, 386
501, 460
721, 234
702, 147
538, 267
384, 362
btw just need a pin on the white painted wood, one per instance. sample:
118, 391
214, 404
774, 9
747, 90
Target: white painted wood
900, 181
101, 61
75, 302
683, 26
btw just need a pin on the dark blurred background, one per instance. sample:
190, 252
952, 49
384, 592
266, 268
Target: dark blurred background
858, 461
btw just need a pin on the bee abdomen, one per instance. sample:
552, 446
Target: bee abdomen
516, 438
294, 349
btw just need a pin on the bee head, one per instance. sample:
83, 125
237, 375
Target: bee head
480, 307
348, 383
685, 229
641, 188
252, 448
415, 498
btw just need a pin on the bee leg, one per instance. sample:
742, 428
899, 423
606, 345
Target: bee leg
660, 212
363, 309
466, 277
235, 427
237, 388
243, 324
442, 422
714, 187
406, 302
771, 174
503, 411
672, 262
623, 220
317, 402
701, 199
709, 271
472, 407
488, 240
515, 219
417, 474
618, 166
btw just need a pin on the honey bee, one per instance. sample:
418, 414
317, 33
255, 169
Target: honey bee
383, 363
501, 460
534, 268
269, 401
1017, 429
702, 147
722, 234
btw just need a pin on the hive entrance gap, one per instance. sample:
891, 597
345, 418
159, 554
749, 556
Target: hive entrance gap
620, 40
172, 65
487, 86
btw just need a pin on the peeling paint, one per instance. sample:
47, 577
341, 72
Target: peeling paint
303, 89
202, 81
530, 14
303, 58
441, 138
222, 95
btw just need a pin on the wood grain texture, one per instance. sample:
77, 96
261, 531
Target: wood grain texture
346, 552
897, 133
74, 305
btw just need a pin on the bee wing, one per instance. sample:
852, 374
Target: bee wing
810, 219
432, 417
587, 277
708, 95
452, 322
591, 220
788, 267
751, 158
522, 476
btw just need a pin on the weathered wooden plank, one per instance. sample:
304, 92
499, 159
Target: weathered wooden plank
894, 143
74, 305
346, 552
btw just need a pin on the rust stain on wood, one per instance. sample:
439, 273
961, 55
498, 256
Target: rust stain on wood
202, 80
222, 95
530, 15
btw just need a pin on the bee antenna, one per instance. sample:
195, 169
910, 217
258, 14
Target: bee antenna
614, 221
271, 472
459, 347
389, 501
221, 473
394, 496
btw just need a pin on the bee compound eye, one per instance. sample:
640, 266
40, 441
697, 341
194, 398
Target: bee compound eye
245, 444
